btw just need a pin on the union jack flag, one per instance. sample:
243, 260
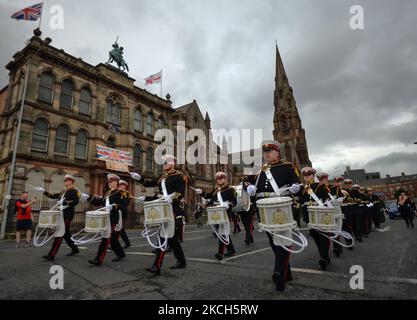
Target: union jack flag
108, 154
30, 13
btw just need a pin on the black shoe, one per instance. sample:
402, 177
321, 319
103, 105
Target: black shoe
336, 253
179, 266
117, 259
219, 256
323, 264
48, 257
127, 245
247, 242
230, 253
73, 253
94, 262
279, 282
251, 240
156, 271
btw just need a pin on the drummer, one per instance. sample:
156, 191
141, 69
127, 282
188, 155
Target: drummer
174, 183
228, 196
114, 204
284, 174
69, 199
348, 208
322, 191
336, 191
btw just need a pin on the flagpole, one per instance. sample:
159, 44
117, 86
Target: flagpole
40, 17
161, 83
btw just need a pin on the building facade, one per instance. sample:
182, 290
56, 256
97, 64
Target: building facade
288, 128
70, 107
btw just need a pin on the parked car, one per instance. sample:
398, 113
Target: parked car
393, 212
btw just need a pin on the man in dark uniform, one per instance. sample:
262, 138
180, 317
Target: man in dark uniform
322, 191
125, 198
358, 217
366, 212
285, 175
174, 182
112, 200
228, 196
336, 191
247, 218
375, 215
348, 208
68, 198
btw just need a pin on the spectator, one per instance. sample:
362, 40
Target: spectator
24, 218
405, 209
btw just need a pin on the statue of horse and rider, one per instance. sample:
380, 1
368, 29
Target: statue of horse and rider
116, 55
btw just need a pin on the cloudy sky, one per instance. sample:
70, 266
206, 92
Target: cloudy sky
356, 90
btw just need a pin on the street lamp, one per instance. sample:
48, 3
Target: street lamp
46, 41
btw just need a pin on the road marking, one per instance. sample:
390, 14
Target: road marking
246, 254
402, 255
386, 229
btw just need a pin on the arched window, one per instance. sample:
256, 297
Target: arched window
138, 121
113, 112
161, 123
149, 160
81, 184
35, 178
149, 124
57, 182
46, 88
85, 101
81, 144
61, 139
137, 156
111, 142
67, 92
40, 135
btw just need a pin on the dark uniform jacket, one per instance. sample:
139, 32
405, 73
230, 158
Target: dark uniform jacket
321, 191
228, 194
354, 197
124, 202
71, 199
336, 191
115, 197
175, 184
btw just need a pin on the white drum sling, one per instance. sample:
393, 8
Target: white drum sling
159, 223
51, 224
218, 219
97, 226
276, 218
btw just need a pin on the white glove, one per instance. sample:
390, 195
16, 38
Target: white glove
294, 188
135, 176
110, 207
251, 190
40, 189
60, 202
168, 199
226, 205
198, 191
141, 198
84, 196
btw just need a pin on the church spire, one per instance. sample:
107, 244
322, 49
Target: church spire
280, 74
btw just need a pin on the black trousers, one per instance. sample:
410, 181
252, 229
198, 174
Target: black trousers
58, 240
376, 216
247, 220
358, 219
406, 214
236, 226
115, 244
322, 243
174, 244
123, 233
229, 247
282, 260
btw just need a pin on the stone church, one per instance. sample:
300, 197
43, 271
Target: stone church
288, 129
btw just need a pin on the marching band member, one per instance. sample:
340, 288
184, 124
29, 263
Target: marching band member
247, 218
172, 185
336, 191
349, 206
321, 190
358, 213
125, 199
374, 199
366, 213
228, 196
280, 174
68, 199
112, 200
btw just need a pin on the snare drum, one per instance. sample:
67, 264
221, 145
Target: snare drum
243, 199
96, 221
157, 212
322, 218
276, 214
217, 215
49, 219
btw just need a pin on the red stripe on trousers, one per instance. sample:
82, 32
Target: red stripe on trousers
159, 261
56, 247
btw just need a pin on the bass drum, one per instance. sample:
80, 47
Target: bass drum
243, 200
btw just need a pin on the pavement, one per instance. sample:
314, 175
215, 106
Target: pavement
388, 258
